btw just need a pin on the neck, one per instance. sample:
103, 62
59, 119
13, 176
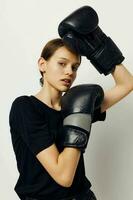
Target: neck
50, 96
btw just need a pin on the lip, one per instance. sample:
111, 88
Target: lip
65, 83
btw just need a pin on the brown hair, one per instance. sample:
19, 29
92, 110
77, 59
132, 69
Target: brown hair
50, 48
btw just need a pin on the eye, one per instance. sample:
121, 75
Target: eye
61, 63
75, 68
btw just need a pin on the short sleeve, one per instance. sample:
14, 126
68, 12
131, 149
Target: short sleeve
98, 116
30, 125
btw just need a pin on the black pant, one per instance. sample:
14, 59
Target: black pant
89, 195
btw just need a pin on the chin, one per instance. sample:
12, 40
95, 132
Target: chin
63, 89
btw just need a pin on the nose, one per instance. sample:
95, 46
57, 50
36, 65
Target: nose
69, 70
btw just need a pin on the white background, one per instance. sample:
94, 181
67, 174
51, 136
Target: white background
25, 27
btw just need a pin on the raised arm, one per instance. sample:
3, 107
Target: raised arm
87, 38
123, 86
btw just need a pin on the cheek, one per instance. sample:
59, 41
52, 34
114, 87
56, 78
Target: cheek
54, 72
57, 71
74, 77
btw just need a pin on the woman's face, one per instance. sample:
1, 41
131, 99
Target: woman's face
62, 65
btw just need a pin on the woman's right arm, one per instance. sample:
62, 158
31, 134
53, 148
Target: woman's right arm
61, 166
34, 132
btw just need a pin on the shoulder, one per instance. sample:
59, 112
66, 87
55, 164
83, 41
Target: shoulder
18, 106
28, 106
21, 101
23, 108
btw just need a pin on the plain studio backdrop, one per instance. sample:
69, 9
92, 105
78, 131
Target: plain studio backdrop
25, 27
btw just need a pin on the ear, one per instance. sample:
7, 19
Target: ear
42, 64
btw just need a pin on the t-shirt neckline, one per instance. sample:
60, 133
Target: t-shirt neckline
44, 104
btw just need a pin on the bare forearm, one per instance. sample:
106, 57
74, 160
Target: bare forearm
123, 86
122, 76
61, 166
67, 163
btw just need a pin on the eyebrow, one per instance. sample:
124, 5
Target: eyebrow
68, 60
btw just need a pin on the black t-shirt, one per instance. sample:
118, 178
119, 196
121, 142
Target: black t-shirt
35, 126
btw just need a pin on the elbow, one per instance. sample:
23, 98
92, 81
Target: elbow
66, 181
129, 87
129, 84
66, 184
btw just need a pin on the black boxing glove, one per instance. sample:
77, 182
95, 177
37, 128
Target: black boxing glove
78, 105
81, 32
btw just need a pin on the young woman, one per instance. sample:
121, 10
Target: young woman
48, 171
